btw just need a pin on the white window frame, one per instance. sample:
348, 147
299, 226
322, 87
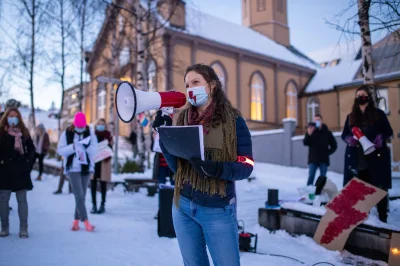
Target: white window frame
293, 96
152, 76
125, 56
312, 103
257, 89
384, 93
220, 71
101, 104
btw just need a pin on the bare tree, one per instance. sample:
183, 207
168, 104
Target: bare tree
59, 57
147, 30
363, 17
88, 11
24, 43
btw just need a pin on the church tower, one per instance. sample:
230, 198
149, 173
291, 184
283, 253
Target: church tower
268, 17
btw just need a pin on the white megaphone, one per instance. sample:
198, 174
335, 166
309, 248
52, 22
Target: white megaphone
367, 145
130, 101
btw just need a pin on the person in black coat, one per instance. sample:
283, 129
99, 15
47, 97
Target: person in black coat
374, 168
321, 144
16, 155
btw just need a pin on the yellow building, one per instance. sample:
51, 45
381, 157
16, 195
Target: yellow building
261, 72
331, 91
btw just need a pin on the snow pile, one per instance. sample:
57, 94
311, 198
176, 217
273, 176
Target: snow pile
126, 234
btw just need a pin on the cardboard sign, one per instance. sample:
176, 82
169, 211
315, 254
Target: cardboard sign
347, 210
394, 254
103, 151
80, 151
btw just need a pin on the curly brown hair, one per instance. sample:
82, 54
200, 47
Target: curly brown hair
218, 95
21, 125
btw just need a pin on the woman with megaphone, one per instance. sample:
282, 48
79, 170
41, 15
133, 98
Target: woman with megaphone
204, 213
367, 156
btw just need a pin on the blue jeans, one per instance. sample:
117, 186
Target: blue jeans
312, 169
197, 226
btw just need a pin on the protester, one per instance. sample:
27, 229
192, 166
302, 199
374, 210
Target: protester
16, 156
133, 141
102, 169
11, 103
61, 182
78, 146
321, 144
204, 210
374, 168
42, 145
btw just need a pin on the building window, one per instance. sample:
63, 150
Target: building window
291, 101
101, 104
121, 23
152, 76
257, 98
260, 5
312, 109
280, 5
219, 70
383, 97
124, 56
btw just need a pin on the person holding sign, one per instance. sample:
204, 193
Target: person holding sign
373, 168
204, 212
16, 156
78, 147
102, 168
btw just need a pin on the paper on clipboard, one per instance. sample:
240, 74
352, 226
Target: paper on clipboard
186, 142
156, 145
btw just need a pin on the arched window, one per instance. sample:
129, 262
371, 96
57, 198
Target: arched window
125, 56
312, 108
219, 70
257, 98
152, 76
291, 100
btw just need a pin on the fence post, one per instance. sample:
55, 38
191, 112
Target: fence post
289, 125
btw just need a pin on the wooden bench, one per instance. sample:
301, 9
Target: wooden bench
134, 184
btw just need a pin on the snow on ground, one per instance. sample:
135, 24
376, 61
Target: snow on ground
127, 233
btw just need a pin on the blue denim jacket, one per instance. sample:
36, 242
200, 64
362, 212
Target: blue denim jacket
231, 172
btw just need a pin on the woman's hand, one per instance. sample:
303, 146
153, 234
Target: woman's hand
161, 120
351, 141
378, 141
206, 168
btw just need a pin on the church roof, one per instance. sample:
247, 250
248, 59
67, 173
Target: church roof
326, 78
228, 33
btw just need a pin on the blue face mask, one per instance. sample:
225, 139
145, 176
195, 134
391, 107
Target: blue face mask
12, 121
197, 96
79, 130
318, 124
100, 127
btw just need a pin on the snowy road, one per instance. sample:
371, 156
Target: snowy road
127, 233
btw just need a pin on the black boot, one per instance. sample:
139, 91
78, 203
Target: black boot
102, 209
94, 209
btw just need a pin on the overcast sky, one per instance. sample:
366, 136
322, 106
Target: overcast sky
308, 32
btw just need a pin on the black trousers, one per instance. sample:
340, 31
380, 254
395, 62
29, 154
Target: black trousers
40, 157
103, 189
382, 206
